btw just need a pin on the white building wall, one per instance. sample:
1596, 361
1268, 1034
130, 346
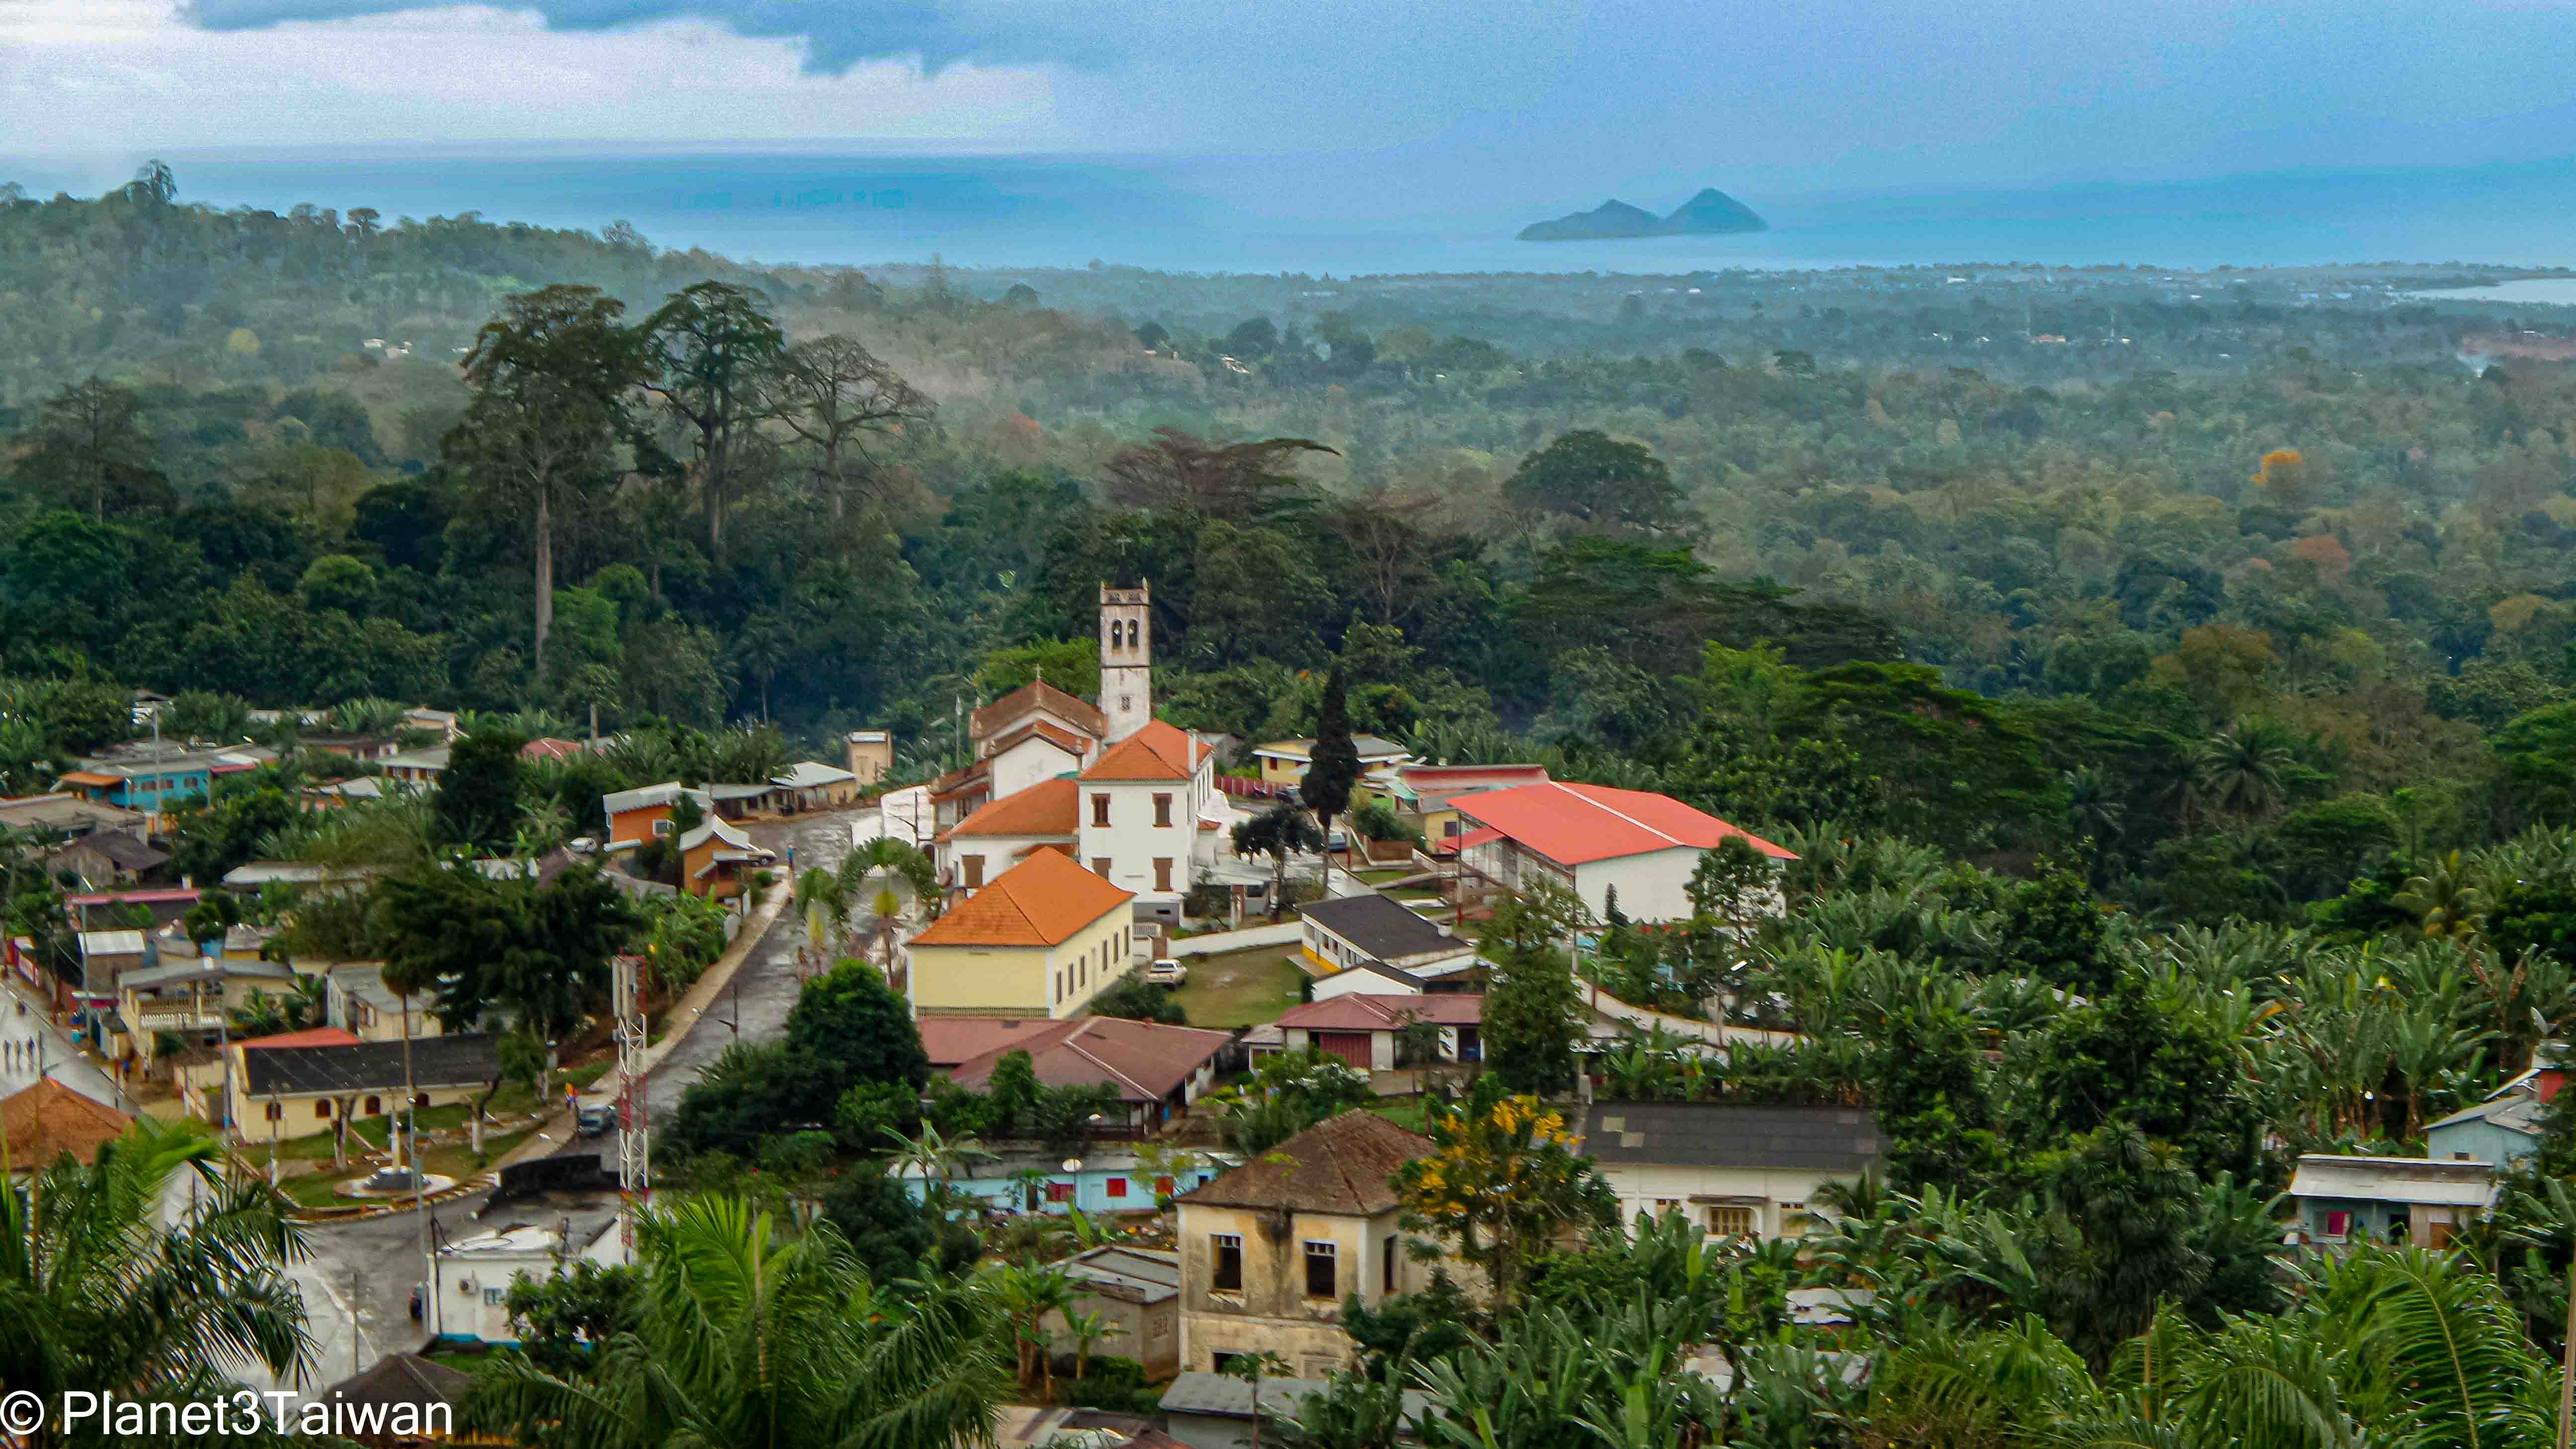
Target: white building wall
1000, 853
1785, 1200
1027, 763
1132, 842
1654, 886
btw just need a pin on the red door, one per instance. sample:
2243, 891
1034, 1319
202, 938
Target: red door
1350, 1046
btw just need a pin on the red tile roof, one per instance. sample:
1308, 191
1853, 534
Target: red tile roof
49, 1119
548, 747
1362, 1012
1035, 695
1574, 824
1143, 1060
954, 1040
1063, 739
1044, 900
310, 1037
1049, 807
1159, 751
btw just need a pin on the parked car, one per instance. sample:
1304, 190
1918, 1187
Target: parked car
1167, 972
596, 1115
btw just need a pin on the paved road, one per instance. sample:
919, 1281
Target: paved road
32, 1046
385, 1252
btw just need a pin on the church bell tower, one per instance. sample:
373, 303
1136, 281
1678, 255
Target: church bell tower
1126, 659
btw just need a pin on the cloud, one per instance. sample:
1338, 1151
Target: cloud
1532, 98
836, 34
114, 77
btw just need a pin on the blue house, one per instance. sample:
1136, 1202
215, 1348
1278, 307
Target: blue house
155, 782
1105, 1181
2499, 1132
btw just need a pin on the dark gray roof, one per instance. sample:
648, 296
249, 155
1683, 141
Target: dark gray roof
1723, 1134
372, 1066
1381, 927
119, 849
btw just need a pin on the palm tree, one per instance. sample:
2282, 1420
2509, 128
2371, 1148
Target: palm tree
745, 1338
2243, 769
823, 898
1028, 1293
935, 1155
2093, 809
98, 1295
1088, 1329
2443, 900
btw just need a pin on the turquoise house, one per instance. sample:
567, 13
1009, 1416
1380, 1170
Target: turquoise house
2499, 1132
1106, 1181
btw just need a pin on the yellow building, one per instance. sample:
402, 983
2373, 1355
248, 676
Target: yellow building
1039, 940
1284, 762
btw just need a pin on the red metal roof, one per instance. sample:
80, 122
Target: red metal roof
1574, 824
1360, 1011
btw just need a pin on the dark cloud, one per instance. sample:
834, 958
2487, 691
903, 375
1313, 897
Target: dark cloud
1535, 96
837, 34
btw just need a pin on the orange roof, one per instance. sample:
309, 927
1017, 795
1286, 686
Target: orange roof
1159, 751
1035, 695
92, 777
49, 1119
1044, 900
1063, 739
1573, 824
1048, 807
310, 1037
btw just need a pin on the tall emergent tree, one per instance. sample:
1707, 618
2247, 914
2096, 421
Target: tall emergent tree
836, 396
714, 351
93, 447
1334, 767
549, 378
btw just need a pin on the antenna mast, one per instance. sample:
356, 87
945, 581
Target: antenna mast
634, 1132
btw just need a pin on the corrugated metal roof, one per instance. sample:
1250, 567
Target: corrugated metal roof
1724, 1134
2395, 1179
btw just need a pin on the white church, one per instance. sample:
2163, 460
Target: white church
1129, 797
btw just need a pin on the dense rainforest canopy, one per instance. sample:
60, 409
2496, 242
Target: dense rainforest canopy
2230, 583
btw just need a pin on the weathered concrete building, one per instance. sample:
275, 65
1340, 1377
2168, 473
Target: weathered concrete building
1270, 1250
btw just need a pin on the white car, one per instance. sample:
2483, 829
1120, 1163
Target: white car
1167, 972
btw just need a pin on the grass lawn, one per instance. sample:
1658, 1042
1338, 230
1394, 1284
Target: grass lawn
458, 1161
1405, 1112
1381, 877
1241, 988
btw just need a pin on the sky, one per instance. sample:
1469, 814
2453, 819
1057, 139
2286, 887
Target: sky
1579, 98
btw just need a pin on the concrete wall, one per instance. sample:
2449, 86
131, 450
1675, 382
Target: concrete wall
1272, 1312
1152, 1337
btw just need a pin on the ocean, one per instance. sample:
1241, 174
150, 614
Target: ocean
1283, 216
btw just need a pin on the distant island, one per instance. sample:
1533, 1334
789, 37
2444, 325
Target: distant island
1711, 213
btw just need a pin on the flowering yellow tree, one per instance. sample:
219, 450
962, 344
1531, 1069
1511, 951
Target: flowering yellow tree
1502, 1184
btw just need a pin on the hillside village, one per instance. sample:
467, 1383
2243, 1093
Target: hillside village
1171, 1019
